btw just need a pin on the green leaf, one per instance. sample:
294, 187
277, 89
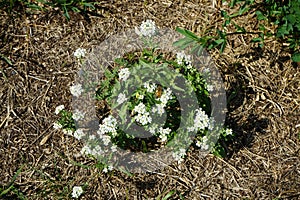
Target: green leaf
260, 15
4, 192
75, 9
66, 14
187, 33
258, 39
220, 152
239, 28
89, 5
183, 43
6, 59
216, 43
168, 195
223, 45
282, 30
296, 57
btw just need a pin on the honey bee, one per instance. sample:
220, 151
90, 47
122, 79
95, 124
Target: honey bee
158, 91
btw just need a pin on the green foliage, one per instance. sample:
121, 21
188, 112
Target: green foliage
11, 188
284, 14
67, 121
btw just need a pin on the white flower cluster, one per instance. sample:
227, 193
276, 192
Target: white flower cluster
166, 96
163, 133
211, 124
147, 29
68, 132
124, 74
228, 131
183, 59
76, 90
159, 108
77, 191
150, 87
179, 155
57, 125
80, 53
108, 168
121, 98
59, 108
201, 121
87, 150
109, 125
210, 88
79, 134
142, 116
78, 115
204, 144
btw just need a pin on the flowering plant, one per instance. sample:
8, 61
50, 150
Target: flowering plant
145, 114
151, 103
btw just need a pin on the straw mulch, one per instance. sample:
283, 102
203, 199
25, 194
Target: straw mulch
263, 85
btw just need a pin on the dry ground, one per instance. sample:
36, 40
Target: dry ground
263, 164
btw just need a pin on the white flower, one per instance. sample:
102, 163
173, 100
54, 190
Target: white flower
76, 90
204, 143
59, 108
57, 125
190, 129
164, 131
150, 87
164, 99
124, 74
210, 88
182, 58
159, 108
152, 130
211, 124
105, 139
97, 150
114, 133
201, 120
109, 125
228, 131
166, 96
198, 143
80, 53
110, 121
206, 70
179, 155
143, 118
121, 98
113, 148
147, 28
163, 137
110, 167
105, 170
68, 132
77, 191
78, 134
86, 150
140, 108
78, 115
